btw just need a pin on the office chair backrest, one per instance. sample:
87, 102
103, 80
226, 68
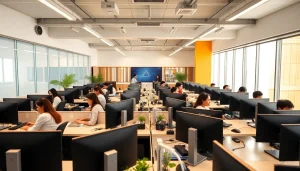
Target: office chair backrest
62, 127
61, 106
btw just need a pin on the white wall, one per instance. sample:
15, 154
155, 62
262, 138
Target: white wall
146, 58
20, 26
281, 22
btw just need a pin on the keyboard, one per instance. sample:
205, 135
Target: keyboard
3, 127
20, 125
181, 150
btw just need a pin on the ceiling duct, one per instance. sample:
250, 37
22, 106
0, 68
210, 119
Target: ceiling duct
186, 8
148, 1
148, 24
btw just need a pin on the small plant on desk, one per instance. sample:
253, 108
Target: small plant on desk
166, 162
141, 122
141, 165
160, 117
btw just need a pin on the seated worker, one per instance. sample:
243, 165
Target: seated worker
212, 85
179, 87
257, 95
96, 107
55, 97
203, 101
242, 89
104, 88
226, 87
48, 119
158, 79
99, 93
162, 84
134, 80
284, 105
173, 90
114, 91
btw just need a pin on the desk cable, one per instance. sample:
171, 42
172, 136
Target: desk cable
240, 147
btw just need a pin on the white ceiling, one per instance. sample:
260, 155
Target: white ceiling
187, 27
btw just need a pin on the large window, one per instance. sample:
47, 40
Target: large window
215, 64
238, 69
250, 68
266, 75
27, 68
222, 70
228, 73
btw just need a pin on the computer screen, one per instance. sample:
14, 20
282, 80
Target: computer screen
286, 168
209, 129
200, 89
161, 90
175, 104
215, 93
173, 95
209, 89
146, 74
224, 97
36, 97
88, 152
268, 126
248, 107
289, 142
131, 94
9, 112
212, 113
234, 101
76, 92
266, 108
85, 89
113, 112
40, 151
23, 103
69, 96
225, 160
286, 111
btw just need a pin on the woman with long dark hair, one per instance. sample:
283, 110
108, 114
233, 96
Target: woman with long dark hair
203, 101
101, 96
48, 119
55, 97
95, 108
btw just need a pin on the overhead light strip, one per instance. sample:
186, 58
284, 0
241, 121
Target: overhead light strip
93, 32
248, 7
117, 49
61, 9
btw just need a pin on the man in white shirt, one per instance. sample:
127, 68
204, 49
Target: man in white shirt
104, 88
134, 80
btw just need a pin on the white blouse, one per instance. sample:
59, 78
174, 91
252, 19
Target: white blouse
44, 122
94, 114
102, 100
56, 101
200, 107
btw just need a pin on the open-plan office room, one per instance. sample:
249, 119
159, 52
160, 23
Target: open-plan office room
89, 85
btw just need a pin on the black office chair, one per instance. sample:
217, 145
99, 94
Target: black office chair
62, 127
61, 106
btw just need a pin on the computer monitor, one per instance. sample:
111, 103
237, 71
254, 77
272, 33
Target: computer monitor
268, 126
23, 103
209, 129
266, 108
224, 97
200, 89
215, 93
211, 113
161, 90
9, 112
39, 150
175, 104
209, 89
88, 151
289, 142
225, 160
76, 92
130, 95
69, 97
248, 107
286, 168
92, 85
234, 101
85, 89
113, 112
286, 111
173, 95
36, 97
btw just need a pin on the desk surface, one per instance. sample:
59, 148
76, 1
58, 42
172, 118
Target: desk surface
242, 126
80, 101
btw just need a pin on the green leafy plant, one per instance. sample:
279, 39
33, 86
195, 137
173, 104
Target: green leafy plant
166, 161
160, 117
180, 77
66, 82
95, 79
142, 118
141, 165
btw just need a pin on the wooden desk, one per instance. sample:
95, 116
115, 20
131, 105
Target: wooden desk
242, 126
78, 101
71, 107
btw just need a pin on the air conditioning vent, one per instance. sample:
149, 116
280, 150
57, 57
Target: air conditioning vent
185, 9
148, 1
148, 24
110, 8
148, 40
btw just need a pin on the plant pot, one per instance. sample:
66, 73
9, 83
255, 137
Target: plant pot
165, 169
141, 126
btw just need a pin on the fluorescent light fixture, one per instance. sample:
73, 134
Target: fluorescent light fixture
75, 30
90, 30
248, 7
208, 31
173, 30
150, 46
61, 9
179, 49
117, 49
123, 30
109, 43
189, 43
4, 47
219, 30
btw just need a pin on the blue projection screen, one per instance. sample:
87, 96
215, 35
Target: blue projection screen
146, 74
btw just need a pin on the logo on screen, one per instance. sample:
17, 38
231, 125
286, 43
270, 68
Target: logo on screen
146, 74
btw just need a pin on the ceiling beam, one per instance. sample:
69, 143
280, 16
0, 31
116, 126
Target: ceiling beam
96, 45
60, 22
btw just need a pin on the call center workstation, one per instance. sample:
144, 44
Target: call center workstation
164, 85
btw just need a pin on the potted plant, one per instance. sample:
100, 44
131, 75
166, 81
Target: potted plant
66, 82
166, 162
141, 165
180, 77
160, 124
95, 79
141, 122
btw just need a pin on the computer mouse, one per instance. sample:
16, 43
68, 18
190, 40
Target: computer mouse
81, 125
178, 168
236, 130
